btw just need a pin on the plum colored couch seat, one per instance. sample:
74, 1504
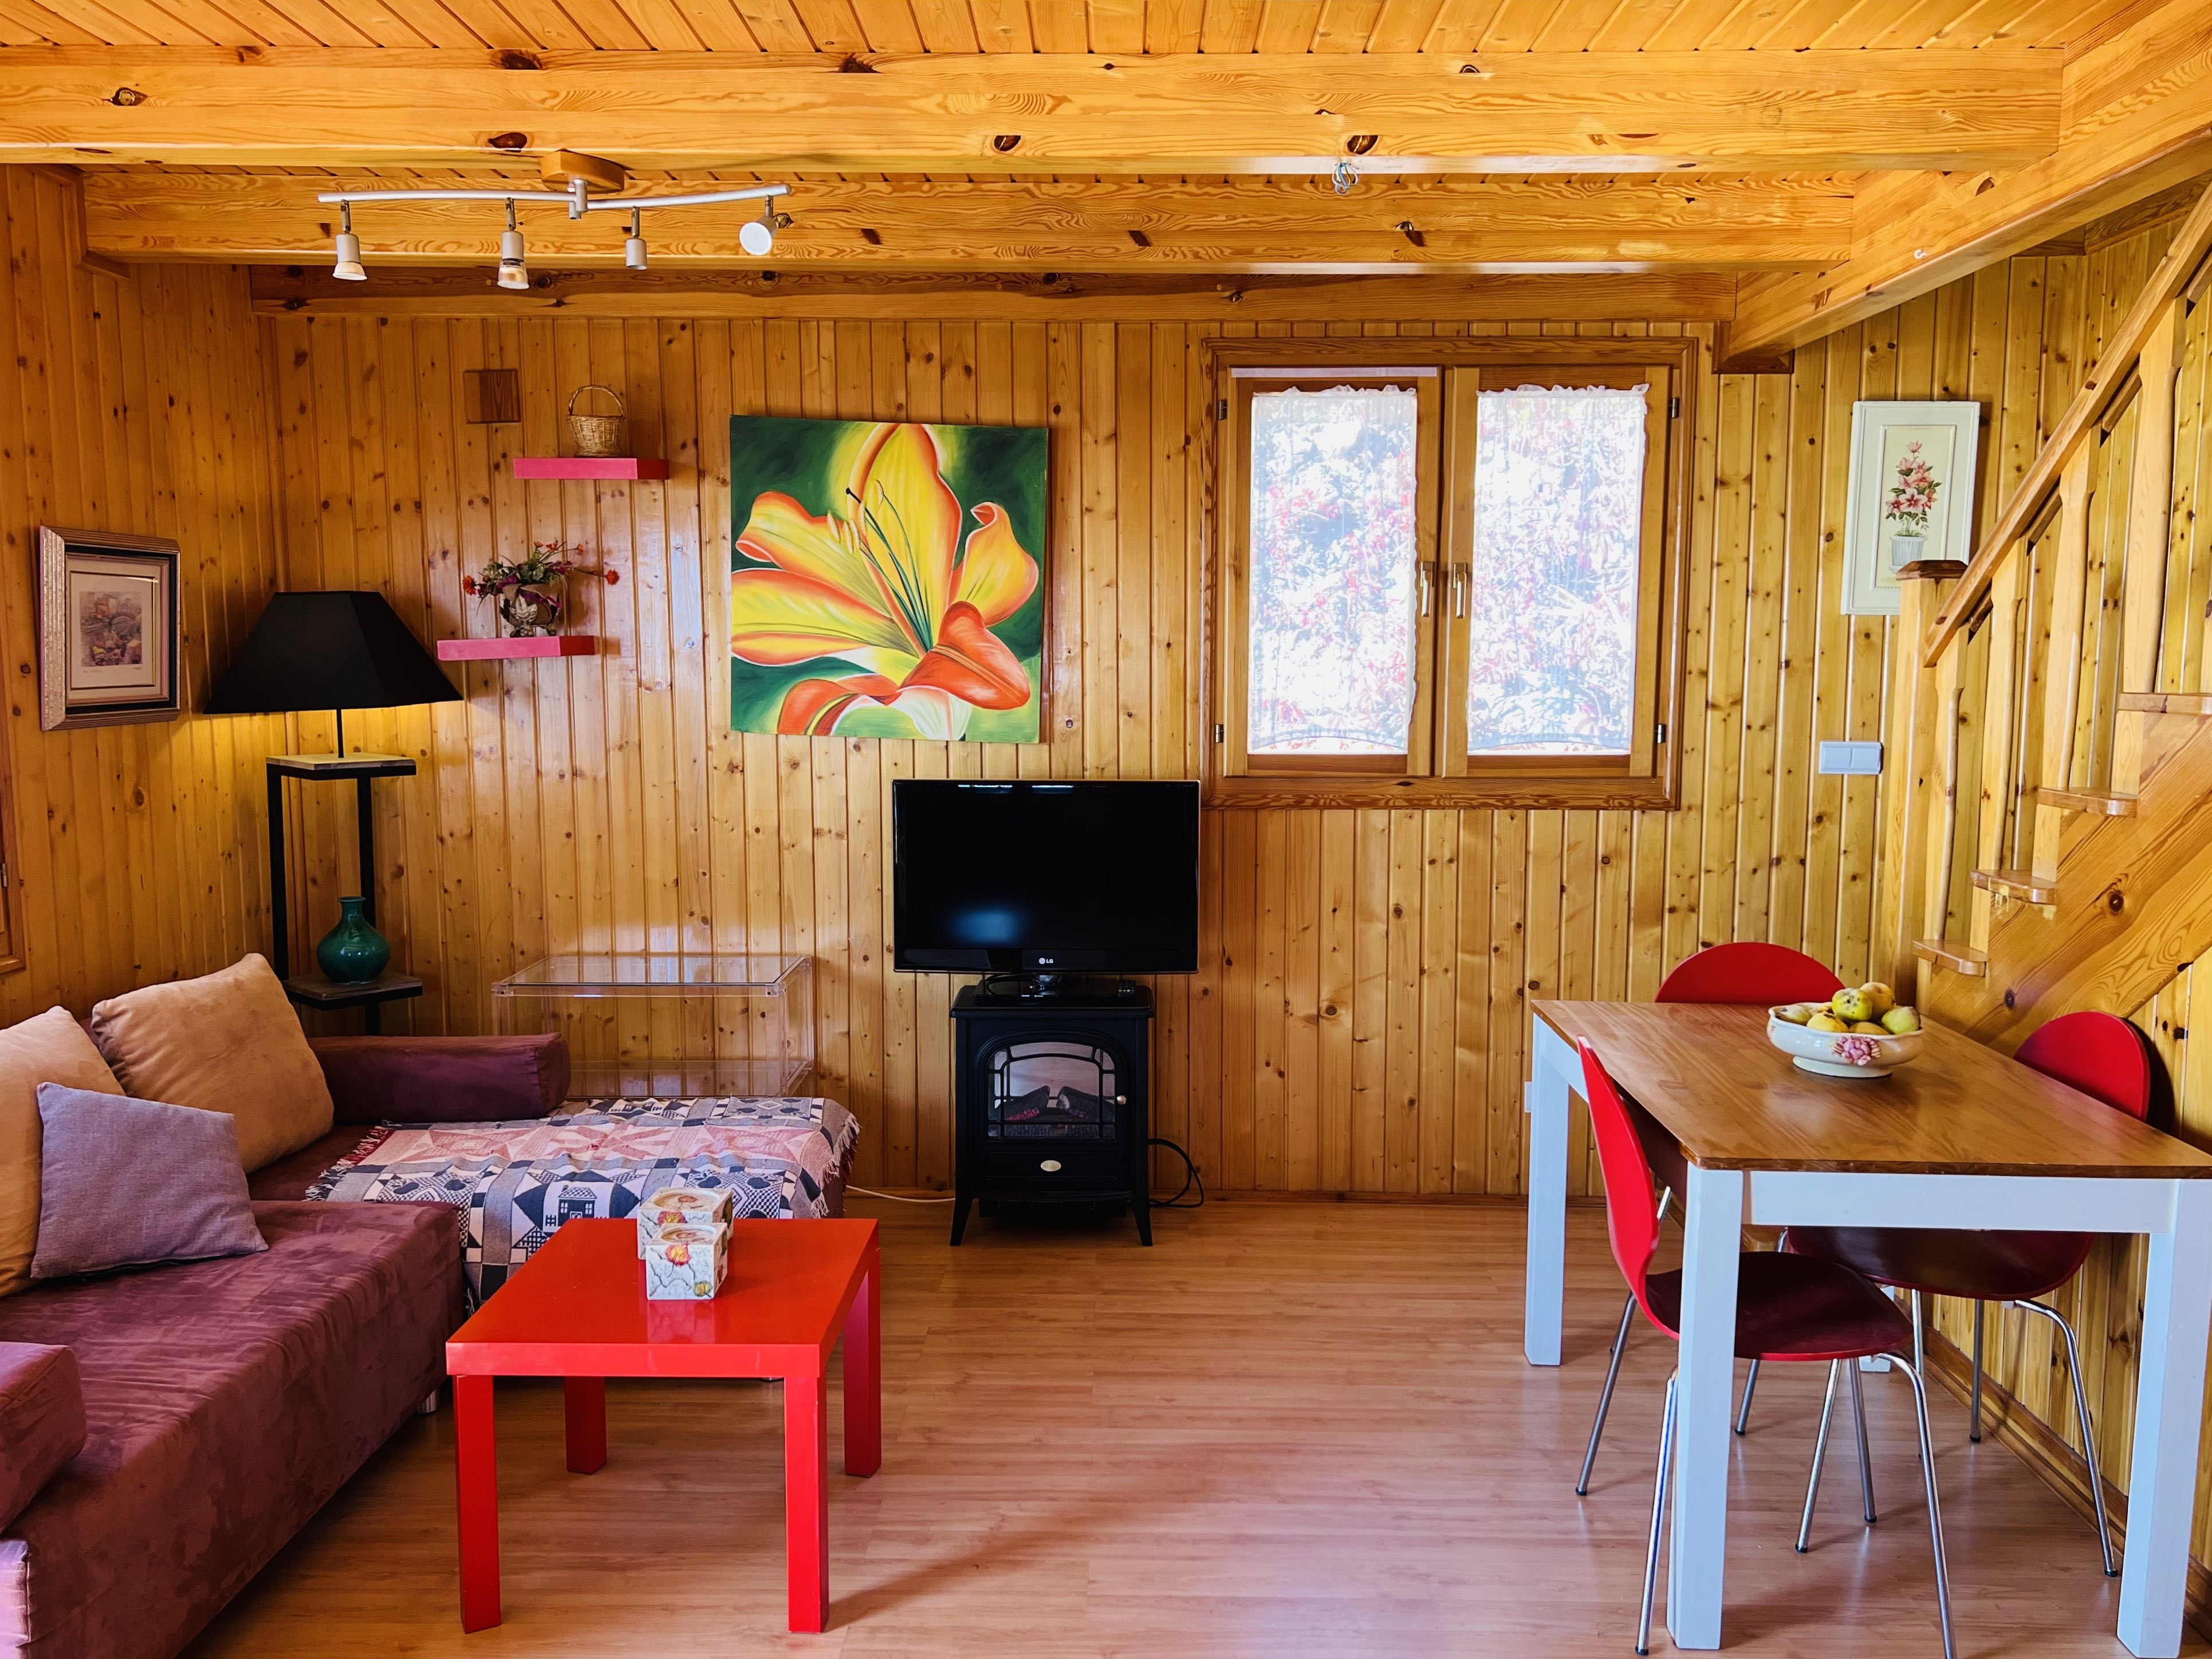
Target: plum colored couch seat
226, 1401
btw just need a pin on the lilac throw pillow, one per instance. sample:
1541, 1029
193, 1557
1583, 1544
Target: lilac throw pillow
127, 1183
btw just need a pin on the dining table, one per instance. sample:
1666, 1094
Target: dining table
1962, 1136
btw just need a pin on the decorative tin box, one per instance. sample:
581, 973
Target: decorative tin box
684, 1263
694, 1204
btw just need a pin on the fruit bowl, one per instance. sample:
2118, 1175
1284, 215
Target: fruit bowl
1842, 1054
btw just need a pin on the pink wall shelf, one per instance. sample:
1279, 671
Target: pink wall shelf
589, 466
541, 645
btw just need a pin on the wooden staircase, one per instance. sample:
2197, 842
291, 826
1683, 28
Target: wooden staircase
2128, 906
2047, 829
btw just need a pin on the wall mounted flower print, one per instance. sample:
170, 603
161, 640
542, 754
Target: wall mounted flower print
887, 580
1912, 503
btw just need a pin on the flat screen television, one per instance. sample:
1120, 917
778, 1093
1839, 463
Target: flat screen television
1092, 877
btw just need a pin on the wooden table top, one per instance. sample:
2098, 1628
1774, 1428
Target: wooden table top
1734, 1102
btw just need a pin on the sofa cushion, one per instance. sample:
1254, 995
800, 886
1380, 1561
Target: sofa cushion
50, 1048
224, 1043
41, 1420
125, 1183
290, 1176
226, 1401
444, 1079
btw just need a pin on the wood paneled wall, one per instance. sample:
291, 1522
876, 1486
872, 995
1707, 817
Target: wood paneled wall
1359, 1023
131, 402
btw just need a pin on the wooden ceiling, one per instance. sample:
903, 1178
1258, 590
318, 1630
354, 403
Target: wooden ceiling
1162, 27
1807, 162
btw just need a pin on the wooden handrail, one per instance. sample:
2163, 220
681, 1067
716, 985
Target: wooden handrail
2175, 275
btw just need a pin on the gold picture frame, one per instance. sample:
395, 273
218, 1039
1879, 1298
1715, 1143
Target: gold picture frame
107, 628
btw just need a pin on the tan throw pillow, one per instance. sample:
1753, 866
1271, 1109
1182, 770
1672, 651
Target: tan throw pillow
50, 1049
224, 1043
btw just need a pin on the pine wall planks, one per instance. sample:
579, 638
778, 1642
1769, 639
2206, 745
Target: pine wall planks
132, 403
1360, 1019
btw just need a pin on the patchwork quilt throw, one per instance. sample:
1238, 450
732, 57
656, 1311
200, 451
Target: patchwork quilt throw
515, 1183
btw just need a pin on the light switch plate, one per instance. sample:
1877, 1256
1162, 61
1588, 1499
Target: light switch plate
1850, 759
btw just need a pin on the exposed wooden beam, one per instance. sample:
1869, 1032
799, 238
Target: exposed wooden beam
1672, 296
2139, 121
1404, 112
1259, 225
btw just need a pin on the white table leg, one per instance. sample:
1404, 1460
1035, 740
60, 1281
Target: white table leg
2169, 1406
1712, 1226
1553, 1070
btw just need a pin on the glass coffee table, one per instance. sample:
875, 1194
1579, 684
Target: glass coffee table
669, 1024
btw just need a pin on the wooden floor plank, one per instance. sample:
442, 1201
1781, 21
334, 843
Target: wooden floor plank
1197, 1473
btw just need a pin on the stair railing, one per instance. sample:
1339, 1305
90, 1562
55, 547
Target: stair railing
2018, 645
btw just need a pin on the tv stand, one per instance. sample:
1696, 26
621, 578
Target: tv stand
1051, 1086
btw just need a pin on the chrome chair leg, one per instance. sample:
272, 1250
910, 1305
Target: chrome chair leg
1935, 1508
1919, 1335
1658, 1513
1974, 1404
1819, 1455
1866, 1466
1605, 1396
1751, 1377
1613, 1367
2089, 1430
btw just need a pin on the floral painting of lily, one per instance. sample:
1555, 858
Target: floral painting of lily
886, 579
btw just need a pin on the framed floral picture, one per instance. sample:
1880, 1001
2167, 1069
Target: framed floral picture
107, 628
887, 580
1911, 496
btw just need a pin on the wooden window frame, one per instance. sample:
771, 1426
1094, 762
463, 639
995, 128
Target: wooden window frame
1649, 776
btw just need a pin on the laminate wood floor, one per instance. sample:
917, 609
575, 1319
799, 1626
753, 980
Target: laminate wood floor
1298, 1430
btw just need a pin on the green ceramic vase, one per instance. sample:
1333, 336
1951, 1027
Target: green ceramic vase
353, 952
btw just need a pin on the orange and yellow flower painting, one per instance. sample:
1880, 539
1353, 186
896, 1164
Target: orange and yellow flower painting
886, 579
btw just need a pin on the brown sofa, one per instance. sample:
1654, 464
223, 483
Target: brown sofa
224, 1402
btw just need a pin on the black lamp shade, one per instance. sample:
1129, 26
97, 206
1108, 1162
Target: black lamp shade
312, 651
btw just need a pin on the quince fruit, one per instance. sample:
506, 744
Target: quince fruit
1901, 1022
1852, 1006
1868, 1028
1884, 999
1796, 1012
1825, 1023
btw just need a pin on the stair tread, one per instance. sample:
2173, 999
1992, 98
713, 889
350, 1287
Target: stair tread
2021, 883
2089, 800
2165, 702
1959, 958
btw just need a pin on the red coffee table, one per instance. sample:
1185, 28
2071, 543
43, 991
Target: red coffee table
577, 1309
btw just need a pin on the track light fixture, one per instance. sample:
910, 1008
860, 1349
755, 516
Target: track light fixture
513, 272
347, 267
755, 236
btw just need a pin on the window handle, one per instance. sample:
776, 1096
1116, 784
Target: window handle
1428, 586
1462, 578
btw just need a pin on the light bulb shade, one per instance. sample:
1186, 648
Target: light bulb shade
512, 273
756, 238
633, 252
338, 650
347, 266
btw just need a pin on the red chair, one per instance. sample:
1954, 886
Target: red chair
2102, 1057
1789, 1308
1751, 972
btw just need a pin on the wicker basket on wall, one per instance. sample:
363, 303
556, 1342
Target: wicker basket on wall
597, 434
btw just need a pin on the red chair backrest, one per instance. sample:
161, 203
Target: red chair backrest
2101, 1054
1631, 1208
1750, 970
